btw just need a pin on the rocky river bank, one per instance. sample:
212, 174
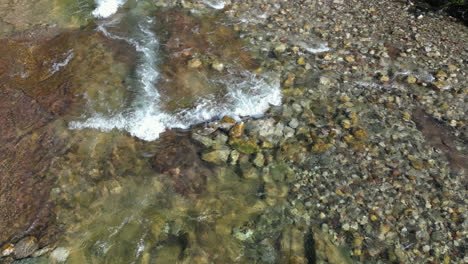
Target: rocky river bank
364, 161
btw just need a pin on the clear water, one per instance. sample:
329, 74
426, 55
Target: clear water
132, 187
245, 93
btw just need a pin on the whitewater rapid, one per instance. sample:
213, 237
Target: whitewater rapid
106, 8
246, 94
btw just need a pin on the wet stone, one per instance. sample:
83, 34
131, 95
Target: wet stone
181, 163
41, 252
243, 146
237, 130
204, 140
233, 157
60, 255
7, 249
294, 123
280, 49
259, 160
194, 63
218, 157
25, 247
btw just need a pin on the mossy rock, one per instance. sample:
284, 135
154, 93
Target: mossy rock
247, 147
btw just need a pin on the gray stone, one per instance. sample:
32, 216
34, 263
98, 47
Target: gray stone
297, 108
60, 255
25, 247
288, 132
266, 128
220, 141
437, 236
204, 140
294, 123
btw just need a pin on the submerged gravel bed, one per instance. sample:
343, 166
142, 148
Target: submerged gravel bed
366, 159
374, 122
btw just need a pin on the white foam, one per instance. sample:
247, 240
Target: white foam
215, 4
251, 97
314, 49
106, 8
56, 66
246, 95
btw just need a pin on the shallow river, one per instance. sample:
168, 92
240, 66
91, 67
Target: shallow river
128, 189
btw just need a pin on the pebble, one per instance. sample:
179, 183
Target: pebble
7, 249
237, 130
294, 123
301, 61
411, 79
280, 49
384, 79
41, 252
218, 66
60, 255
350, 59
195, 63
259, 160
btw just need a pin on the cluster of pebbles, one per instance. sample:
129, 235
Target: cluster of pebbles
373, 125
374, 122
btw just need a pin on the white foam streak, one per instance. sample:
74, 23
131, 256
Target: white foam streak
106, 8
251, 97
215, 4
247, 95
320, 48
56, 66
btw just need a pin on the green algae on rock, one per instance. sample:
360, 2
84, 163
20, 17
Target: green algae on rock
243, 146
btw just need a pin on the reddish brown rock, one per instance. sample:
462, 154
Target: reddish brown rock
41, 80
441, 137
179, 159
27, 145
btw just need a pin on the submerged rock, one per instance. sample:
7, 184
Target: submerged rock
248, 147
237, 130
218, 157
7, 249
25, 247
60, 255
25, 15
177, 157
259, 160
440, 137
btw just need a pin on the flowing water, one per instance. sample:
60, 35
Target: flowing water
144, 116
148, 217
130, 188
